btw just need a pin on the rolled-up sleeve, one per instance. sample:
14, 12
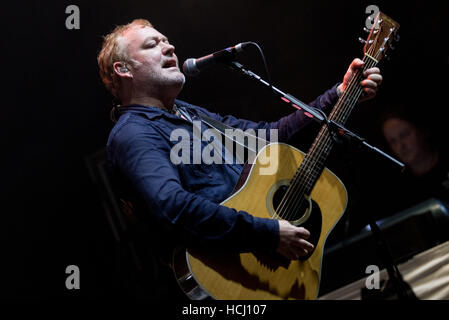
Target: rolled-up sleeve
141, 155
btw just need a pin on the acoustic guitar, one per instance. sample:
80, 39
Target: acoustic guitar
300, 190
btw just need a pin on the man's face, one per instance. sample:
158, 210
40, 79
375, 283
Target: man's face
404, 139
152, 59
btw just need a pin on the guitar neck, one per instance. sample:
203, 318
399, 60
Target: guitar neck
314, 162
381, 34
351, 95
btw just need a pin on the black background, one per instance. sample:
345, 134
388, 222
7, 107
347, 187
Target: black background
56, 111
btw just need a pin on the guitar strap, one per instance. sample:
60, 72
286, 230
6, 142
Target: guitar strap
225, 130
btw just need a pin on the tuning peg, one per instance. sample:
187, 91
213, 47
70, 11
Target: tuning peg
364, 41
397, 37
366, 29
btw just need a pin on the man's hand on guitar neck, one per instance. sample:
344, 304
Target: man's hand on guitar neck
292, 243
370, 84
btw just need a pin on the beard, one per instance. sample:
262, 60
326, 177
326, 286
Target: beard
167, 79
161, 82
178, 79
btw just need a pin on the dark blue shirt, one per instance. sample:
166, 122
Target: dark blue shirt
187, 197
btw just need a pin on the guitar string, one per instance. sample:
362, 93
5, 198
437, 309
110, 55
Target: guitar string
344, 111
313, 167
311, 170
306, 169
321, 150
306, 162
306, 165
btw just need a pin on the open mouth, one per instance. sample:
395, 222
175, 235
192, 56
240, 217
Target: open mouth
169, 63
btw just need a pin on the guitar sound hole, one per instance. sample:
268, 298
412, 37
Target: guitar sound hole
290, 215
313, 222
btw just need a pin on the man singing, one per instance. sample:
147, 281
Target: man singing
139, 67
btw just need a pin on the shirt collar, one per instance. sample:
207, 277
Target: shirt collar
151, 112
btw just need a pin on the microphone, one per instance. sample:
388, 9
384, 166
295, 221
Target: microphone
192, 67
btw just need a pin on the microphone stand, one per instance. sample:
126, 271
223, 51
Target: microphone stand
396, 287
335, 128
396, 282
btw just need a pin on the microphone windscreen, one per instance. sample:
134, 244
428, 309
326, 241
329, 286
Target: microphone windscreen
189, 67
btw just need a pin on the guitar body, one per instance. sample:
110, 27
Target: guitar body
250, 276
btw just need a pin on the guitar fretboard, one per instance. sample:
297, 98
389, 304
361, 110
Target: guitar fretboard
314, 162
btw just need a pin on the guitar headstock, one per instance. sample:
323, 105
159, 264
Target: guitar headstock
381, 35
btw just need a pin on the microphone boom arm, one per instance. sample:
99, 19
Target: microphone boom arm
312, 113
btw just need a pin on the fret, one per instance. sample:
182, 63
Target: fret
313, 163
